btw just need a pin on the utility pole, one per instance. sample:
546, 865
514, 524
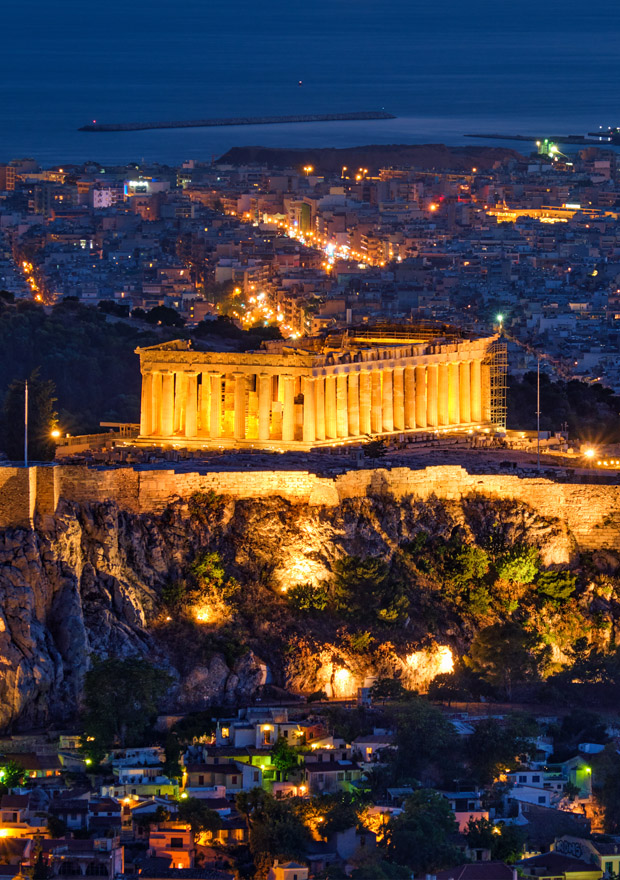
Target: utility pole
26, 423
538, 411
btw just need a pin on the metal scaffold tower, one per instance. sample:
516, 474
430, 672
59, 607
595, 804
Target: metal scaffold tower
497, 361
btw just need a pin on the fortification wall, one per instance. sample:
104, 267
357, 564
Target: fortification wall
591, 511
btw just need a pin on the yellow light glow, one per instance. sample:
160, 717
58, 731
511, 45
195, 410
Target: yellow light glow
55, 433
203, 614
589, 453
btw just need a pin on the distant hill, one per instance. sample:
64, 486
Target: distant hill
375, 156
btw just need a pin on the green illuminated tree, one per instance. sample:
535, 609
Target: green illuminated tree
284, 757
11, 773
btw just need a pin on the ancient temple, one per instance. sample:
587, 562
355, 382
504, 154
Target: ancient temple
299, 394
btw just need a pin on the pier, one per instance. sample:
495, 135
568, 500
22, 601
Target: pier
240, 120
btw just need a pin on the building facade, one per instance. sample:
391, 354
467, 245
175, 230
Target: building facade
322, 391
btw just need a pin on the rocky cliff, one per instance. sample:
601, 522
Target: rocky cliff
90, 579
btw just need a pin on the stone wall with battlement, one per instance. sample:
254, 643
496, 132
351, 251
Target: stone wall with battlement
591, 511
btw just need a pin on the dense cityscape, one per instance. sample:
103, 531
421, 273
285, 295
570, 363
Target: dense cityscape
302, 606
526, 243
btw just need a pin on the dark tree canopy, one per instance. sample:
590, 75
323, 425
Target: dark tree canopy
590, 410
41, 419
120, 701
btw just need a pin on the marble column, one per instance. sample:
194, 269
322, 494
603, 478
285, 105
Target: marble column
454, 408
464, 392
167, 403
420, 397
180, 401
264, 405
342, 416
239, 420
309, 428
146, 404
215, 428
399, 398
432, 396
156, 390
204, 405
365, 397
288, 414
191, 406
476, 391
387, 399
485, 386
443, 417
376, 420
330, 408
319, 401
409, 398
353, 405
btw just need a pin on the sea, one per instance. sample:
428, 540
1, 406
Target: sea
445, 68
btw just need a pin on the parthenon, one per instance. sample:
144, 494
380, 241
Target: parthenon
301, 394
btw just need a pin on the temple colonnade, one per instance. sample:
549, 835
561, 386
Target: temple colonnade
239, 403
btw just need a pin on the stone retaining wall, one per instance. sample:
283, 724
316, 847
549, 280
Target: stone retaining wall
591, 511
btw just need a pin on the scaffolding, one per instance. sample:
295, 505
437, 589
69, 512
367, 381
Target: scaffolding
385, 333
496, 360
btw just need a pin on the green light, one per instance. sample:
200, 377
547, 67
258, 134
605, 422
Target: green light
88, 761
500, 318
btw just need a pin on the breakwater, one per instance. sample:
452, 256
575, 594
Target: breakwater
239, 120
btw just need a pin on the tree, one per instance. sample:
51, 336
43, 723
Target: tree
494, 746
165, 316
556, 585
55, 826
420, 836
519, 565
276, 829
365, 589
284, 757
501, 654
120, 702
41, 419
422, 735
387, 689
506, 842
11, 773
375, 448
196, 813
306, 598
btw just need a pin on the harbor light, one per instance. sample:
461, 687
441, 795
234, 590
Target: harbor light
589, 453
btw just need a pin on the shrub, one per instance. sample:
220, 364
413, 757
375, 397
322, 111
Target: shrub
519, 566
557, 585
306, 598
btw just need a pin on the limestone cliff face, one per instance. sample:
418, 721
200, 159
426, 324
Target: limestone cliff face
88, 582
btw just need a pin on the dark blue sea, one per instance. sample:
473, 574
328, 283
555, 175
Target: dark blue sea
445, 67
